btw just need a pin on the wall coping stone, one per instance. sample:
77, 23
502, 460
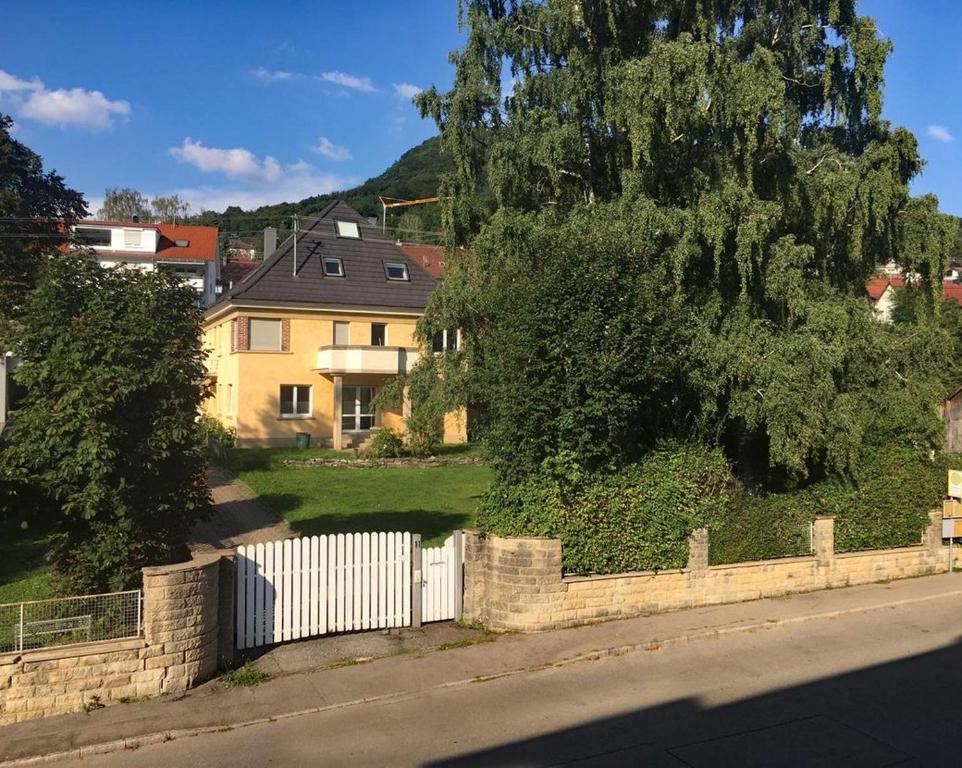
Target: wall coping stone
575, 578
72, 651
198, 560
773, 561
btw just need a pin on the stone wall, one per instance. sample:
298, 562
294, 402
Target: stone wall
183, 639
516, 584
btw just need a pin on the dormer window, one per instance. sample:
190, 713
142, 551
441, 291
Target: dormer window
396, 270
348, 229
333, 267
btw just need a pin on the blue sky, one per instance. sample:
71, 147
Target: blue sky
250, 103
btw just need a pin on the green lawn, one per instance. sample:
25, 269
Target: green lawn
23, 573
432, 501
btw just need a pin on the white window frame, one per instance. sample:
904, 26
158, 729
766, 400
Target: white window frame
347, 233
108, 230
295, 400
130, 235
402, 265
357, 408
444, 342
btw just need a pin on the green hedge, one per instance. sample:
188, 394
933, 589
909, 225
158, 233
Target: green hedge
640, 517
635, 519
885, 505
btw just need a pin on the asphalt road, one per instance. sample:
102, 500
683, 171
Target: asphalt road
875, 689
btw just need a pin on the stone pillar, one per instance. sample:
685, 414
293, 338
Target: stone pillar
225, 608
698, 551
338, 404
181, 620
823, 541
474, 577
932, 536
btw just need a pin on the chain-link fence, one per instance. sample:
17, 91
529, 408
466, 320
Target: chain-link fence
70, 620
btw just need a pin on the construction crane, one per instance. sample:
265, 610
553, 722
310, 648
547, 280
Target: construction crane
396, 202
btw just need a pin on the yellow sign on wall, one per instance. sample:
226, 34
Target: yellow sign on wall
955, 484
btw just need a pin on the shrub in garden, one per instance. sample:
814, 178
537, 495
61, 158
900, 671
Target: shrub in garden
385, 444
216, 438
631, 519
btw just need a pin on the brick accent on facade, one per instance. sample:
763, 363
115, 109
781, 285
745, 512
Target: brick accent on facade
185, 609
517, 584
286, 335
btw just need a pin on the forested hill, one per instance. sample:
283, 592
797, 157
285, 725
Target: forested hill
415, 174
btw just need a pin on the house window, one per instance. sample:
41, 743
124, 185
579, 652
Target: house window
348, 229
395, 270
265, 335
357, 413
342, 334
99, 238
132, 238
295, 401
447, 340
378, 335
333, 267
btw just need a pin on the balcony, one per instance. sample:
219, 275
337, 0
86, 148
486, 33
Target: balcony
356, 358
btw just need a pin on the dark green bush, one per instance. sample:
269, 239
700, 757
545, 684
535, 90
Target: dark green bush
215, 437
633, 519
885, 505
385, 444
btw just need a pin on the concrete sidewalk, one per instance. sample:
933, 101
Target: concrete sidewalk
213, 708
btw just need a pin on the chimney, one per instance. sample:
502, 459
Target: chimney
270, 241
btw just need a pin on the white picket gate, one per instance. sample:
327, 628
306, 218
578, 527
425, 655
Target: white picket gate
441, 584
317, 585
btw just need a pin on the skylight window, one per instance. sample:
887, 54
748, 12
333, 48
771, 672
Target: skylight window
396, 270
333, 267
348, 229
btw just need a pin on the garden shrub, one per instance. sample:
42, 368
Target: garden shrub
634, 519
385, 444
885, 505
215, 437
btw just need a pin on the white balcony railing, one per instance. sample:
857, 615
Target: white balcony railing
353, 358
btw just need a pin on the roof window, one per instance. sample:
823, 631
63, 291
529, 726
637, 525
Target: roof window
396, 270
182, 243
348, 229
333, 267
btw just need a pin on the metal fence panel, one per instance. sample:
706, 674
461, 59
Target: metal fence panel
70, 620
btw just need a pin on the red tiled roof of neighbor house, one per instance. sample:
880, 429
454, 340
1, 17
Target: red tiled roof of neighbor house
429, 257
875, 287
201, 241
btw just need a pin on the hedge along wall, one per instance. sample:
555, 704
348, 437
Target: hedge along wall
516, 584
188, 627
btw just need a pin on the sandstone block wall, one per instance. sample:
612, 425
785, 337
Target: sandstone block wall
516, 584
180, 646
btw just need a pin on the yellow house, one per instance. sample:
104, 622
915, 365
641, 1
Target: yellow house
302, 343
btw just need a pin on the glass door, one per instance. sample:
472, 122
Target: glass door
357, 413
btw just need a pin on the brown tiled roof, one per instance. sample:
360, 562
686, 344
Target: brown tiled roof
234, 270
430, 257
364, 283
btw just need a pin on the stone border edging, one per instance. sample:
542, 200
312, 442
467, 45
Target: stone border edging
160, 737
407, 461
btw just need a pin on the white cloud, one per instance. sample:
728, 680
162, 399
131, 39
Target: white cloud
348, 81
238, 163
940, 133
406, 90
299, 181
272, 75
330, 150
76, 106
10, 82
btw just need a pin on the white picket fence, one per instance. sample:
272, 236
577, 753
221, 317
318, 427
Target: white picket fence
317, 585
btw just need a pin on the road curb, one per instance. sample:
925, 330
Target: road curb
160, 737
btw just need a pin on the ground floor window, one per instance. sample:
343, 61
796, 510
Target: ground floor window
295, 400
357, 413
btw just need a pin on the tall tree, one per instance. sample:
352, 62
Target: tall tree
732, 158
107, 429
33, 202
123, 204
169, 209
